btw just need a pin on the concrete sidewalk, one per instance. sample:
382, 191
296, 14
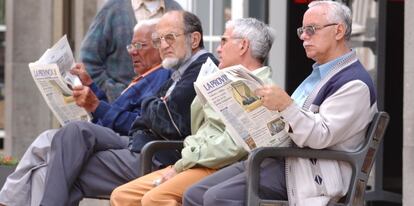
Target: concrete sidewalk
94, 202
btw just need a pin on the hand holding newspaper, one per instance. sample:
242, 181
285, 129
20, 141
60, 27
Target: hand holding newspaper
230, 92
54, 81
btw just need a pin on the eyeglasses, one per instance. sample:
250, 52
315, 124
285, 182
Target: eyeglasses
311, 30
135, 46
169, 39
225, 39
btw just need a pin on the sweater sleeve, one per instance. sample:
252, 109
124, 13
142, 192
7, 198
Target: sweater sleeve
120, 115
94, 47
103, 48
341, 116
98, 92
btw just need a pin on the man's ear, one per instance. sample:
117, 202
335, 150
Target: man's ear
244, 46
340, 31
195, 39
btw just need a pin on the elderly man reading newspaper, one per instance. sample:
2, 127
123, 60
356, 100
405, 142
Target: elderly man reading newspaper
25, 185
330, 109
91, 160
210, 147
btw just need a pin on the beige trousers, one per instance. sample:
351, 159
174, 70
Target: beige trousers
142, 191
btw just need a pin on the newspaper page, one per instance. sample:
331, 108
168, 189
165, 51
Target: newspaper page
230, 92
54, 81
61, 54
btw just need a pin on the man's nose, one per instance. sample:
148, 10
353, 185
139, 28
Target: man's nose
164, 44
218, 49
304, 36
133, 52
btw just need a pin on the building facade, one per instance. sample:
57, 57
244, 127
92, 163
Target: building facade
383, 38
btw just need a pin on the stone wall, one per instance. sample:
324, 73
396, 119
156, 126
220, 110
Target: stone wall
28, 35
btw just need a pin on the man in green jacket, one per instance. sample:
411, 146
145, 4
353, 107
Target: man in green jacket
210, 147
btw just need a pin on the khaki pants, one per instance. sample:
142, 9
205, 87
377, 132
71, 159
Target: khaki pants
142, 191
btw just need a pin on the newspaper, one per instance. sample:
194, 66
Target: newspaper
230, 92
54, 81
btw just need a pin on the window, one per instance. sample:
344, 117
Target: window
213, 15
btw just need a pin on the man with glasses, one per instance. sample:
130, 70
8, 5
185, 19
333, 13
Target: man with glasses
25, 185
90, 160
210, 146
102, 49
331, 109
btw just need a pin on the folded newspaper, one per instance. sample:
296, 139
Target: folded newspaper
230, 92
54, 81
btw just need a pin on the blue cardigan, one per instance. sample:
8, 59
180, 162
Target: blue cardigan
120, 115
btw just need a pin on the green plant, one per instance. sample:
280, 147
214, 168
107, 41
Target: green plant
8, 160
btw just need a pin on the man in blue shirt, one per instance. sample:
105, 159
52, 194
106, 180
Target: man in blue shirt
91, 160
25, 186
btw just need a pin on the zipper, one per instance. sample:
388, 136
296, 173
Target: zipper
171, 118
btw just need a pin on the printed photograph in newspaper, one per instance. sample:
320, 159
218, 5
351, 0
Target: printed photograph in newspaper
230, 92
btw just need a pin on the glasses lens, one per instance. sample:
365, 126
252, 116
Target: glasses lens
309, 30
129, 48
169, 38
299, 31
138, 46
223, 41
156, 42
135, 46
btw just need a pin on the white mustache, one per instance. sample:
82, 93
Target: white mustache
305, 44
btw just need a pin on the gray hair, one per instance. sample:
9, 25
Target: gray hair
193, 24
146, 22
258, 33
337, 12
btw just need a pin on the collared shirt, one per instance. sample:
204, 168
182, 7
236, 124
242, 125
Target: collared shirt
139, 77
319, 72
209, 137
146, 10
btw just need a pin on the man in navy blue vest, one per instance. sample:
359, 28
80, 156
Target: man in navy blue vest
331, 109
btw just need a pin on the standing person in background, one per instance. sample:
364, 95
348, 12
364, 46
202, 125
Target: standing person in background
91, 160
25, 185
103, 48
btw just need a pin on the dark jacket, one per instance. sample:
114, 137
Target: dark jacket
155, 122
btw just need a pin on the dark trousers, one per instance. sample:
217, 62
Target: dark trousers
227, 187
87, 160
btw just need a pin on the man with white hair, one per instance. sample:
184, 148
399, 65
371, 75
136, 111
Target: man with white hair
25, 185
331, 109
90, 160
210, 147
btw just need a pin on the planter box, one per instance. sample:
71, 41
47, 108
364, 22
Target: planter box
5, 170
